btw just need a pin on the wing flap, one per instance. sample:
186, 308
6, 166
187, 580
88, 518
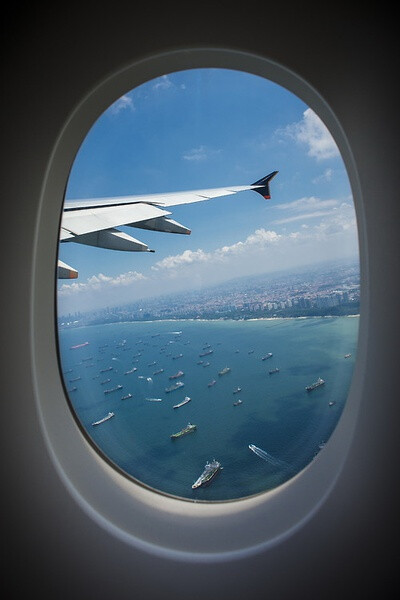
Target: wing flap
88, 220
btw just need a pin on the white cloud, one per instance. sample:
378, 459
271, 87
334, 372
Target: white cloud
100, 282
312, 215
163, 83
200, 153
188, 257
260, 238
325, 177
306, 208
196, 154
123, 103
307, 203
314, 134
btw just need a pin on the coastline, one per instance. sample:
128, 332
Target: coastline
219, 320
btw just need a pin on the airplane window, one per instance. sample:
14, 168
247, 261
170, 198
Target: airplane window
208, 290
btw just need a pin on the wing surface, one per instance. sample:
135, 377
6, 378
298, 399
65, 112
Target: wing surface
94, 221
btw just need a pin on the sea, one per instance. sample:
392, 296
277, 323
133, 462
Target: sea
276, 414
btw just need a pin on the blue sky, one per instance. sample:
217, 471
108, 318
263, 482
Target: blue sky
209, 128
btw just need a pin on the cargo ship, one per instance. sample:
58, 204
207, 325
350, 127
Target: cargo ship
126, 397
177, 375
116, 388
267, 356
272, 371
79, 345
188, 429
314, 385
211, 383
210, 471
130, 371
176, 386
110, 414
224, 371
206, 353
185, 401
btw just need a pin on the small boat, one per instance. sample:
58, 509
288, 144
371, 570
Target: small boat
177, 356
211, 383
154, 399
158, 372
237, 390
185, 401
75, 379
105, 381
272, 371
107, 369
332, 402
206, 364
347, 355
106, 418
126, 397
239, 401
267, 356
73, 389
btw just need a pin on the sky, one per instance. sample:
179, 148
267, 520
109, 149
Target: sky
207, 128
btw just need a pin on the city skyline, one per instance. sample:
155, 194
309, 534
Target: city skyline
209, 128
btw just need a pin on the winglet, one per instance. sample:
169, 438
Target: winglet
264, 185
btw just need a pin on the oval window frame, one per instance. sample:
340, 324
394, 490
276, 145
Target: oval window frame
132, 512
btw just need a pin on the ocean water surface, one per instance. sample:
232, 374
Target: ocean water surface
276, 413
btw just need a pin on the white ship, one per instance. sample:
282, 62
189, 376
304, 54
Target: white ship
106, 418
210, 471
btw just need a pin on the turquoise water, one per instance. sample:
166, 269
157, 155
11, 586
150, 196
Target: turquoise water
276, 413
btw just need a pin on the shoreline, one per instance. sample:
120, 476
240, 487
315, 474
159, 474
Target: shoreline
192, 320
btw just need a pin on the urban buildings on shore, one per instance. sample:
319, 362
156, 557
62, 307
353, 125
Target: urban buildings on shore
315, 291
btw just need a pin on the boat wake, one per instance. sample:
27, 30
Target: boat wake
276, 462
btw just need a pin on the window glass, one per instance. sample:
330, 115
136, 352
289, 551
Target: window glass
207, 340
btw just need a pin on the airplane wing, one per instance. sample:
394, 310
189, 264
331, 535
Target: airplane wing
94, 222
